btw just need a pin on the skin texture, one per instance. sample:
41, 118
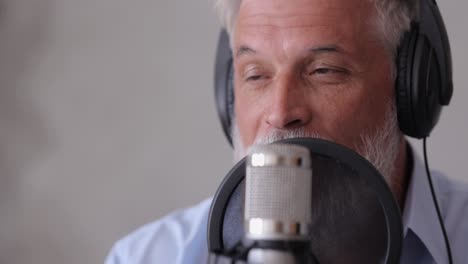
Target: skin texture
312, 64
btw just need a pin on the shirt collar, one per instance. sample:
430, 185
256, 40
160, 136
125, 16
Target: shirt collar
419, 213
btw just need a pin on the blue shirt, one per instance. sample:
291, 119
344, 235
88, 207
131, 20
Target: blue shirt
180, 237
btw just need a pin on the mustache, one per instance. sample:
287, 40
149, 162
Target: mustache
276, 135
270, 137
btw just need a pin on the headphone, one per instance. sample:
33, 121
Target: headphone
423, 84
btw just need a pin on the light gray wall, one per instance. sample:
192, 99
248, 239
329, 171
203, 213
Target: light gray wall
108, 121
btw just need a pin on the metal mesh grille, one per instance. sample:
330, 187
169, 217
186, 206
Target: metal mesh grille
278, 193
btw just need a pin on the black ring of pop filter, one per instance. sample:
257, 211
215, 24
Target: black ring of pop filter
328, 149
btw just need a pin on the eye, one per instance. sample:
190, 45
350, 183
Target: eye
325, 74
324, 71
254, 78
254, 74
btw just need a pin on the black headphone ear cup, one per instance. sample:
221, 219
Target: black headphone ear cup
223, 81
424, 80
230, 99
403, 82
426, 85
417, 86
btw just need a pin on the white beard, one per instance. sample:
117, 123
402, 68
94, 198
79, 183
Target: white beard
379, 148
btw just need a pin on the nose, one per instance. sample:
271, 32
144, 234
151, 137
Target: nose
289, 105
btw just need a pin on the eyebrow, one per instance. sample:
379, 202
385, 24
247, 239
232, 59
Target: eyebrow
326, 49
245, 50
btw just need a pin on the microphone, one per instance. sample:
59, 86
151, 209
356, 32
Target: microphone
278, 199
304, 200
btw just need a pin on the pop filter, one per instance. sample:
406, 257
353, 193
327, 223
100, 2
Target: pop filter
355, 218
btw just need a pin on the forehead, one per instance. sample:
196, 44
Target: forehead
288, 22
293, 10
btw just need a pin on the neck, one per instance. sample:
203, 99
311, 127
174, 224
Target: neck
401, 174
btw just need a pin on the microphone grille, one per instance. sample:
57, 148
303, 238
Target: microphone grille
279, 183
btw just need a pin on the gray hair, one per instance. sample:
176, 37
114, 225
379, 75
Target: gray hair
393, 18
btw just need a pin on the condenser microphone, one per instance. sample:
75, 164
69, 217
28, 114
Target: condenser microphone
278, 195
278, 199
304, 200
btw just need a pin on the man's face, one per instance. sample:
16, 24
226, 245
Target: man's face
318, 65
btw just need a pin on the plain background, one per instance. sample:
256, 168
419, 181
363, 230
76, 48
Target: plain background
108, 120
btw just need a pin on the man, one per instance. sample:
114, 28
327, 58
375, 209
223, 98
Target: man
319, 68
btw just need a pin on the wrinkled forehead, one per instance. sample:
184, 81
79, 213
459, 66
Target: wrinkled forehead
304, 12
281, 7
344, 22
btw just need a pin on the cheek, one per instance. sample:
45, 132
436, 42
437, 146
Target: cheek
248, 117
349, 115
370, 105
